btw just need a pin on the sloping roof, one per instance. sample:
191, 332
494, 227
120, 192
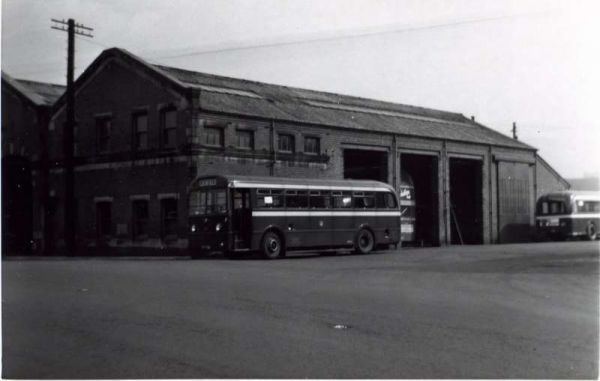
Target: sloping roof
566, 183
38, 93
282, 103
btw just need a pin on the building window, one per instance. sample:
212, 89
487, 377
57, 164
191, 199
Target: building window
214, 136
168, 122
168, 212
311, 145
245, 139
286, 143
140, 131
103, 126
140, 218
103, 219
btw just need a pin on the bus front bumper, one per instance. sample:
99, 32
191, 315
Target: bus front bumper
206, 243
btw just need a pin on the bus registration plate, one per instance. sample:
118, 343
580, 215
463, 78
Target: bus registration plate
406, 228
553, 222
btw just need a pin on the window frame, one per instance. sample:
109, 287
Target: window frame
165, 129
292, 142
137, 133
317, 141
220, 133
238, 134
136, 221
165, 220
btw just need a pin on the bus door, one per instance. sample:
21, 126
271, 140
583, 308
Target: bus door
241, 224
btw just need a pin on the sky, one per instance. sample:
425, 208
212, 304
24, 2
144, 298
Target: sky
535, 63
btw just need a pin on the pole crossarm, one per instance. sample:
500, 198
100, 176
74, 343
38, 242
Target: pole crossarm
78, 29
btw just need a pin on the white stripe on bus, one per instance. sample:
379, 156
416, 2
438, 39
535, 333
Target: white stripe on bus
239, 184
578, 215
277, 213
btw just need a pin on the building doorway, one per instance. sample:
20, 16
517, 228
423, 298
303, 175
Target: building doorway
17, 201
423, 169
466, 201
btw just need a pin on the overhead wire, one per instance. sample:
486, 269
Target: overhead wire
351, 36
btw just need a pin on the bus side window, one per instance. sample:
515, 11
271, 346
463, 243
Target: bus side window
364, 200
390, 201
588, 206
342, 200
296, 199
267, 198
319, 199
369, 200
380, 200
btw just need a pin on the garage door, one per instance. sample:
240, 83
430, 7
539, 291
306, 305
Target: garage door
514, 197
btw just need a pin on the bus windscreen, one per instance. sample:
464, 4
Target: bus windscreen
206, 202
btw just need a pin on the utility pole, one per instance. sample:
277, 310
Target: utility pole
514, 131
68, 131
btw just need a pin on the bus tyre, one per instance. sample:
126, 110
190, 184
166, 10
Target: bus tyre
364, 241
591, 232
271, 245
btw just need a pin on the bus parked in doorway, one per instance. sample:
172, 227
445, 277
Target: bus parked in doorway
408, 208
271, 215
568, 214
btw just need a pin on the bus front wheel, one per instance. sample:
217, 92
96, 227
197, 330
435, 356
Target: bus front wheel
364, 241
272, 247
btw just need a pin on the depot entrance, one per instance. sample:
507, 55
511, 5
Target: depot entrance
466, 206
423, 171
362, 164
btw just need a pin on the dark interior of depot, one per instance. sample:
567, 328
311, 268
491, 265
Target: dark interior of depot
423, 169
466, 216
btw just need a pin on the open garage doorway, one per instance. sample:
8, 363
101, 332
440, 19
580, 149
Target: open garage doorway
466, 205
423, 170
366, 165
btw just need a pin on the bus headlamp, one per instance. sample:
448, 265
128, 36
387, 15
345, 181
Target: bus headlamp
218, 226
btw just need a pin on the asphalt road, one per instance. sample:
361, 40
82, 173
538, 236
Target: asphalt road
502, 311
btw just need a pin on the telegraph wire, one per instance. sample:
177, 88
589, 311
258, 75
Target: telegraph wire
353, 36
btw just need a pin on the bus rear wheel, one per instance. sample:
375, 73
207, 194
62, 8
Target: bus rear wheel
591, 232
364, 241
272, 247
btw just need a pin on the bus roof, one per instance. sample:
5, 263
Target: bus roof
280, 182
582, 195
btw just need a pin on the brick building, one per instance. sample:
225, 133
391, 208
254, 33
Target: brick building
145, 131
26, 110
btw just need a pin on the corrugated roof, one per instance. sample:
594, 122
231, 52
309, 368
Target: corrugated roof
39, 93
262, 100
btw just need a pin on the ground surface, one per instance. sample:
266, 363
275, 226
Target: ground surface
503, 311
